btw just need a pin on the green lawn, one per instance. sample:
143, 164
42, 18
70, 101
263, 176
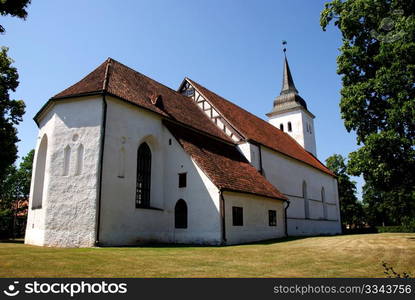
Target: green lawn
335, 256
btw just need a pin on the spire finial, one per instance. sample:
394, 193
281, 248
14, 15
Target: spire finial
287, 80
284, 43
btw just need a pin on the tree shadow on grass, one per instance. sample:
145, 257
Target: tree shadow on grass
11, 241
167, 245
280, 240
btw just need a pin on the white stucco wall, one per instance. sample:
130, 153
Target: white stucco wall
255, 218
287, 175
35, 226
300, 132
67, 216
121, 222
251, 153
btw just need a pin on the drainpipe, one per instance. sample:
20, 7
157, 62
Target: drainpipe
285, 217
101, 161
222, 213
261, 170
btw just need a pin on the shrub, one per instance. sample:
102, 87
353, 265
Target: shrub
6, 219
408, 225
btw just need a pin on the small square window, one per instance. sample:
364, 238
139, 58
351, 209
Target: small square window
272, 218
237, 216
182, 180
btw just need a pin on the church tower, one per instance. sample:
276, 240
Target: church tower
290, 113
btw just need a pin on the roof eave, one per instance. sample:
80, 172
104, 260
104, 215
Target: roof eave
275, 113
53, 99
283, 198
299, 160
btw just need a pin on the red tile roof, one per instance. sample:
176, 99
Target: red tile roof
225, 166
121, 81
217, 157
256, 129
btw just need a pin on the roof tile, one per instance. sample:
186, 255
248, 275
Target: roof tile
223, 163
260, 131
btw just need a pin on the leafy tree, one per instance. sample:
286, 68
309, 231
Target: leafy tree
15, 8
14, 187
377, 64
11, 112
351, 210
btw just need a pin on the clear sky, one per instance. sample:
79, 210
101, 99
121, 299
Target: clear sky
231, 47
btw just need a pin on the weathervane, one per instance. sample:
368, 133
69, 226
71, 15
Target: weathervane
284, 43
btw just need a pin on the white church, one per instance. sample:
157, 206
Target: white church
124, 160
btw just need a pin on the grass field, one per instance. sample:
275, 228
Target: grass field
335, 256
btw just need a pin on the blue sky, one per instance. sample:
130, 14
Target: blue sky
231, 47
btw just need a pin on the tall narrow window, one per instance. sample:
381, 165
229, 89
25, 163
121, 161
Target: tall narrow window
40, 173
272, 218
142, 197
66, 160
323, 200
182, 180
306, 204
79, 160
282, 127
180, 214
121, 163
290, 128
237, 216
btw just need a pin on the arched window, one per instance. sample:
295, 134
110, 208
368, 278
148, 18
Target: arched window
79, 160
142, 197
323, 200
180, 214
282, 127
40, 173
66, 160
290, 127
309, 128
306, 204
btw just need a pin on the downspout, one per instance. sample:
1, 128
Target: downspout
101, 162
261, 170
101, 152
285, 217
222, 214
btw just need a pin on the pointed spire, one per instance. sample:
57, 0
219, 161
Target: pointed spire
287, 80
289, 98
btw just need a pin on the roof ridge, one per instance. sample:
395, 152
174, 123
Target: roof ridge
106, 76
262, 120
270, 126
127, 67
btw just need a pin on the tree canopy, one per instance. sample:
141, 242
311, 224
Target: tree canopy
11, 112
351, 210
377, 65
15, 8
14, 188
